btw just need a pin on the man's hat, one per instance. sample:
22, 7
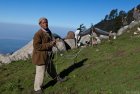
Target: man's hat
42, 18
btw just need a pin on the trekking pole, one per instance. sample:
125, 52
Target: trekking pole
49, 61
50, 66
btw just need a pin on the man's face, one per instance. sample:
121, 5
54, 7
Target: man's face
44, 24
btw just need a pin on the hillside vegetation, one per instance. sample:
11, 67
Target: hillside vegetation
116, 19
111, 68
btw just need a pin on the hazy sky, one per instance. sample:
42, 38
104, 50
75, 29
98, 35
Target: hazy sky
63, 13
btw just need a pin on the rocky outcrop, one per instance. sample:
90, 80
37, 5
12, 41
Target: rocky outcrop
122, 30
21, 54
133, 23
125, 28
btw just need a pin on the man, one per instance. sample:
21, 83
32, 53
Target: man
42, 55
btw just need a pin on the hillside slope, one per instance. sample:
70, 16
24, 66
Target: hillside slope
112, 69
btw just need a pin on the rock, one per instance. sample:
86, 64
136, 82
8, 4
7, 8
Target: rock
104, 37
133, 23
6, 60
23, 53
122, 30
84, 39
71, 43
60, 46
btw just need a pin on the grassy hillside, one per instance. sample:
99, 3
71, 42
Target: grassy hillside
114, 69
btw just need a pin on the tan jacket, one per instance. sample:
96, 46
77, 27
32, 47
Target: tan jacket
41, 45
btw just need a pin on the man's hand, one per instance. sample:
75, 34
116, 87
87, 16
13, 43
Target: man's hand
53, 42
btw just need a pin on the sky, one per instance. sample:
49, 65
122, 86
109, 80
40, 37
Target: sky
62, 13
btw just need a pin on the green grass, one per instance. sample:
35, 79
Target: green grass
114, 69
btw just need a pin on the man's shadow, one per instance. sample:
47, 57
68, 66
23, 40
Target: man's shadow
66, 72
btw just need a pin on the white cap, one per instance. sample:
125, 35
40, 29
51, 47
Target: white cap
42, 18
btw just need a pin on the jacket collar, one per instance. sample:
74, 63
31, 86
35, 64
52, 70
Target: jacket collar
45, 30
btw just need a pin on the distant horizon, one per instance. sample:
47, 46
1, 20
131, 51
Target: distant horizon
26, 31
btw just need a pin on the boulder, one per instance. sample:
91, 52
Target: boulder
122, 30
71, 43
104, 37
85, 39
133, 23
60, 46
23, 53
